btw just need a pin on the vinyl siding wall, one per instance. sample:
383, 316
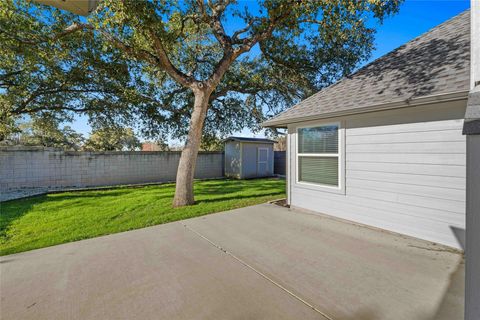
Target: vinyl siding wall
404, 171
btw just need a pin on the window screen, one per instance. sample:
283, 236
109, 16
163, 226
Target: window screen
318, 155
318, 139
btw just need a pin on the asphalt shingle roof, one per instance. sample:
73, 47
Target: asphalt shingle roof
435, 63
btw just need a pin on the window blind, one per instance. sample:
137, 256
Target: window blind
318, 155
318, 139
321, 170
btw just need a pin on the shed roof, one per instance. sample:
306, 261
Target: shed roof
247, 139
434, 66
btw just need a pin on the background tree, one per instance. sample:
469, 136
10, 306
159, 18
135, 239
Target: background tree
211, 66
112, 139
281, 144
212, 143
46, 132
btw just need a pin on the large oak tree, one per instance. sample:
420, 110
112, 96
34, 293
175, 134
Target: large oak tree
180, 67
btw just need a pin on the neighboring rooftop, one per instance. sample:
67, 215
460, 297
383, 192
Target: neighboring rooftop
246, 139
434, 64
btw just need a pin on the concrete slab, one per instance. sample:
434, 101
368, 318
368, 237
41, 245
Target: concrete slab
345, 270
164, 272
260, 262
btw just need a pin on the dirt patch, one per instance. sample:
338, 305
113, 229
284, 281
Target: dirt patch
281, 203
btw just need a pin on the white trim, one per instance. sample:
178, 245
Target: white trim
289, 169
444, 97
241, 159
319, 154
340, 188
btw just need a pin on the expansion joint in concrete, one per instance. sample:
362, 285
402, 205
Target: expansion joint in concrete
275, 283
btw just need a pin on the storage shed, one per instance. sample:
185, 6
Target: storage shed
248, 157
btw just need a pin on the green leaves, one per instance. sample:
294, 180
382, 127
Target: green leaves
133, 62
46, 132
112, 139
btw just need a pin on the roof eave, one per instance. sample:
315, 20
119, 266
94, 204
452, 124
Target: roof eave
269, 142
249, 141
453, 96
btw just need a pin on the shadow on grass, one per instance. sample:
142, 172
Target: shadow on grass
126, 200
84, 194
239, 197
239, 186
15, 209
134, 191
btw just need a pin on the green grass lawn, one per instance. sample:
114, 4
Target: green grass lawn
52, 219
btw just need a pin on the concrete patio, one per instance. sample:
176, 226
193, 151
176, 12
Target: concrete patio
260, 262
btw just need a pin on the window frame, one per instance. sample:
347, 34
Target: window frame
340, 188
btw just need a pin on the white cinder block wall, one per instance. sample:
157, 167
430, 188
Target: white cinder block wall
53, 169
404, 171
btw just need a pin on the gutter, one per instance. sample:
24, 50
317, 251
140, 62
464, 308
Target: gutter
454, 96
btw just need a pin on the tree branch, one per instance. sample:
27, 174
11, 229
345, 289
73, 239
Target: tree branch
215, 22
161, 59
54, 108
230, 55
167, 65
237, 33
22, 108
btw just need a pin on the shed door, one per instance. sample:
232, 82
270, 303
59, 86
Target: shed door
262, 162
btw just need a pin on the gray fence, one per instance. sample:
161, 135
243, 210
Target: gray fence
280, 163
46, 168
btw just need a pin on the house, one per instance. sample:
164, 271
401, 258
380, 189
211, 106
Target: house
151, 146
248, 157
384, 146
472, 131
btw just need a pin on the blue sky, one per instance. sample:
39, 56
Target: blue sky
415, 17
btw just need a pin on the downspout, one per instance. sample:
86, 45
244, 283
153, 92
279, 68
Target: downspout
289, 164
472, 131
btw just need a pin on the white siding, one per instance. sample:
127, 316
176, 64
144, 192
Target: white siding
404, 172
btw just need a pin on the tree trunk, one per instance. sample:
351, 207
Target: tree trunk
186, 167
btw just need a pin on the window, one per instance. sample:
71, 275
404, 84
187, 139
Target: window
318, 155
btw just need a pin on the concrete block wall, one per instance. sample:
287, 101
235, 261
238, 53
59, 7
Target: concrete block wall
47, 168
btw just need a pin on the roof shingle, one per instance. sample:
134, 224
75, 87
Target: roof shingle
433, 64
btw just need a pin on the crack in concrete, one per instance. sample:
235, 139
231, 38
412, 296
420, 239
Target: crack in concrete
278, 285
440, 249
